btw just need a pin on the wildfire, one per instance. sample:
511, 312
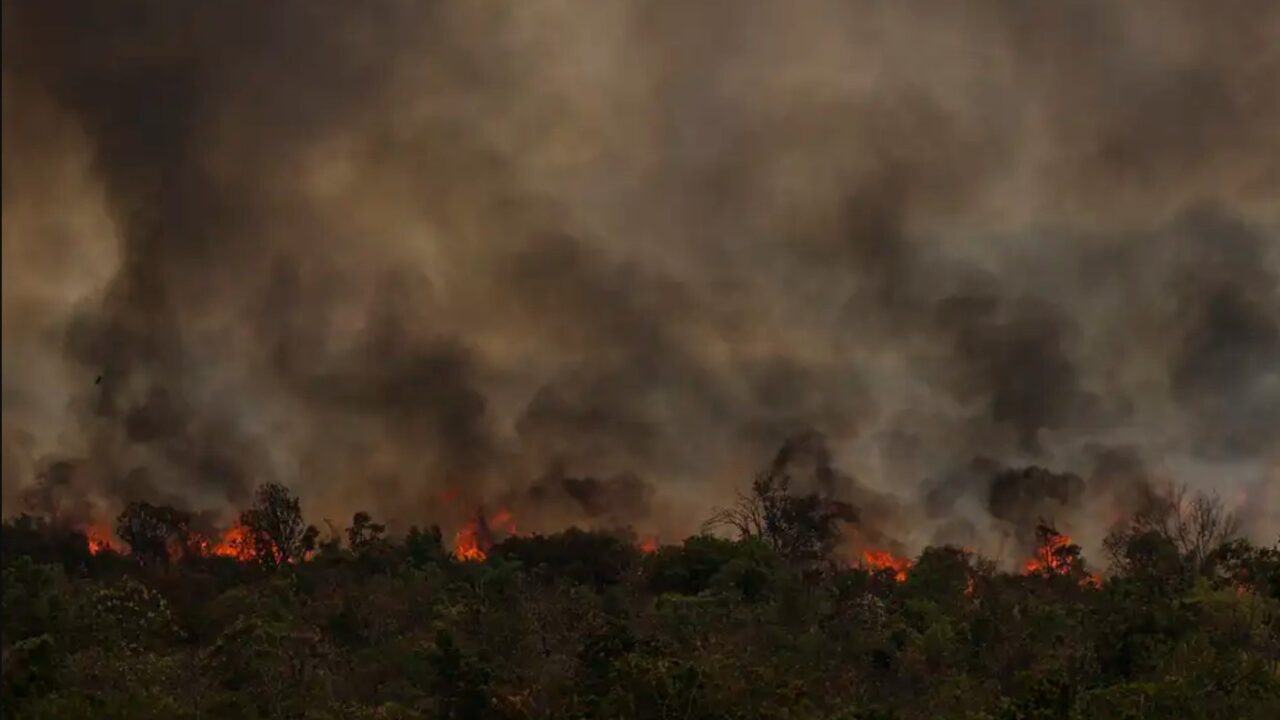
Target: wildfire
1049, 557
649, 545
1052, 558
473, 541
99, 541
465, 545
236, 543
877, 560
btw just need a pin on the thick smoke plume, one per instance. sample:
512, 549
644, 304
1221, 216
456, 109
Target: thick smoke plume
600, 260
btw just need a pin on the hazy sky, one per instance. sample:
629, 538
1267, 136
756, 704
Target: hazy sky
382, 250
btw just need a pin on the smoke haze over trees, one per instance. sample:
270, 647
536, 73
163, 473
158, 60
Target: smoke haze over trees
597, 262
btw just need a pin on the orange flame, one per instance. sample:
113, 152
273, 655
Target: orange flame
99, 541
465, 545
877, 560
1048, 557
1050, 560
236, 543
472, 542
649, 545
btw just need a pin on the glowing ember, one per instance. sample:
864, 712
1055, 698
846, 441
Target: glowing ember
877, 560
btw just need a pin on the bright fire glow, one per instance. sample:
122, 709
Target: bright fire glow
236, 543
465, 545
1049, 559
649, 545
877, 560
99, 541
473, 541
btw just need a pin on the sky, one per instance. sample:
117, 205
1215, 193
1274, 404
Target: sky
599, 261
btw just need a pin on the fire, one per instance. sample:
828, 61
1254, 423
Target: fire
649, 545
99, 541
473, 541
1049, 557
878, 560
236, 543
465, 545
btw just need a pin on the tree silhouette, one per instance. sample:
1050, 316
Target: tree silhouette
277, 533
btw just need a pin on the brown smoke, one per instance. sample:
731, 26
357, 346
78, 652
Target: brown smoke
383, 250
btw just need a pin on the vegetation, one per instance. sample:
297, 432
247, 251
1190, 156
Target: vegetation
586, 625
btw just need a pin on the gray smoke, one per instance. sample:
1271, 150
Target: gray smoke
384, 250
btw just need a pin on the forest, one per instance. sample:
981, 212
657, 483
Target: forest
757, 617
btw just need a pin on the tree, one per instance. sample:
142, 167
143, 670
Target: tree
802, 529
277, 533
694, 566
1240, 565
154, 533
942, 574
1194, 526
363, 531
595, 558
425, 546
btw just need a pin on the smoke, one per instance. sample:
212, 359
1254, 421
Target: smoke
383, 251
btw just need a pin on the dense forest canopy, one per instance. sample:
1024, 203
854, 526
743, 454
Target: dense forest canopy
280, 621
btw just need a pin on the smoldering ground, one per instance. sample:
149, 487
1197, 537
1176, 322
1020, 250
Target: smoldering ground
379, 251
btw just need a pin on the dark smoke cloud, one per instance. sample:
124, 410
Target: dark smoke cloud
872, 519
1026, 497
383, 251
1225, 366
609, 503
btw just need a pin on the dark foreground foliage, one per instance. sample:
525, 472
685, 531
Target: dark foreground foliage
583, 625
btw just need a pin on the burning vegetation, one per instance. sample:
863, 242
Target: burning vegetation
590, 599
880, 560
1056, 555
99, 541
799, 507
521, 288
473, 541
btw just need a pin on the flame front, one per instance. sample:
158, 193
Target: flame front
877, 560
